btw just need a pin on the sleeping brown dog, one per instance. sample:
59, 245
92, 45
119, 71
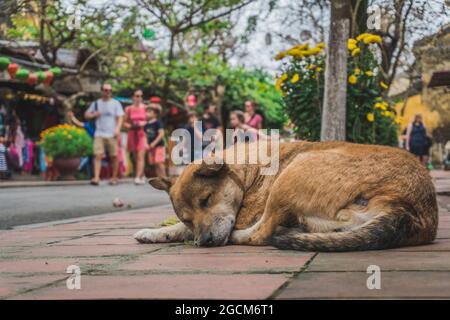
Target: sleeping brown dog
326, 196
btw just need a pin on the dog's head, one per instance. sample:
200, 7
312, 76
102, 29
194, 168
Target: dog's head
206, 198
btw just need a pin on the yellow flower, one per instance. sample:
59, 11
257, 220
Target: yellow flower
352, 79
352, 44
318, 69
281, 55
370, 117
311, 52
321, 45
295, 78
310, 66
357, 71
369, 73
304, 46
70, 136
372, 39
362, 36
381, 105
296, 53
398, 120
356, 51
278, 84
284, 76
383, 85
65, 133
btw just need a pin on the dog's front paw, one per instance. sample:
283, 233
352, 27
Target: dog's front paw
150, 236
239, 237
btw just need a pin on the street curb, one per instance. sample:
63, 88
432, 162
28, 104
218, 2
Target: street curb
29, 184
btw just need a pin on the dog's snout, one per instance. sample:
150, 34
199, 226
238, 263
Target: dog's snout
205, 240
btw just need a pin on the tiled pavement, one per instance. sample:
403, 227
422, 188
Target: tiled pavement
33, 264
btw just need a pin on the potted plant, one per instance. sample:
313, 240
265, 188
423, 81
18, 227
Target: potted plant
65, 144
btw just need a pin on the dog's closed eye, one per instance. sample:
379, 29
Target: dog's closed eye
204, 202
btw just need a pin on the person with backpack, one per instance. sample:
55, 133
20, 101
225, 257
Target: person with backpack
108, 114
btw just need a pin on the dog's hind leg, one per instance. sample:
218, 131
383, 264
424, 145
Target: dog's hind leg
176, 233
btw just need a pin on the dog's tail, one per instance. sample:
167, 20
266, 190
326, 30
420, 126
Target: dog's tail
382, 232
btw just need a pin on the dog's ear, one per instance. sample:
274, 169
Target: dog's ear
161, 183
212, 169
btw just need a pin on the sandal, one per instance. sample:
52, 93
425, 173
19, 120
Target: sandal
95, 182
113, 182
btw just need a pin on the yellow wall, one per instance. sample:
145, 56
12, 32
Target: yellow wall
414, 105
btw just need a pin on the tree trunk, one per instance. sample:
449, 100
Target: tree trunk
334, 104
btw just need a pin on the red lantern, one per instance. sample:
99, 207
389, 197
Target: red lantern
173, 111
12, 70
48, 77
32, 79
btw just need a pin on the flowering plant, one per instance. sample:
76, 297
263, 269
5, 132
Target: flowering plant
65, 141
370, 118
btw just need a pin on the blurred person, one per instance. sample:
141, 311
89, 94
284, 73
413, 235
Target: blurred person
252, 118
237, 123
211, 121
4, 171
108, 115
417, 140
154, 131
90, 129
195, 130
135, 120
155, 103
209, 118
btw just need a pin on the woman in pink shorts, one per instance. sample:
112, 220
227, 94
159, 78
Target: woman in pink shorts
135, 120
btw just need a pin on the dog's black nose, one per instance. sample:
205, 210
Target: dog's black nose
206, 240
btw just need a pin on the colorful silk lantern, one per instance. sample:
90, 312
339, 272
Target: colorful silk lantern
56, 71
12, 69
4, 63
22, 74
173, 111
48, 77
32, 79
41, 76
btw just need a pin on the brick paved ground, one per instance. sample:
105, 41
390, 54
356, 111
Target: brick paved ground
33, 264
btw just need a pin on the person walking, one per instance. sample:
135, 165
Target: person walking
154, 130
417, 140
134, 120
108, 115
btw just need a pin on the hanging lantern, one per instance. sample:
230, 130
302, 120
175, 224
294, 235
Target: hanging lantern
48, 77
4, 63
22, 74
32, 79
173, 111
149, 34
41, 76
12, 69
56, 71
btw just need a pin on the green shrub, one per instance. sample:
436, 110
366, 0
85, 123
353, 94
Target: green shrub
65, 141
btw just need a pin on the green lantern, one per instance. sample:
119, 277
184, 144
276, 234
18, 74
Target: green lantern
4, 63
41, 76
148, 34
56, 71
22, 74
